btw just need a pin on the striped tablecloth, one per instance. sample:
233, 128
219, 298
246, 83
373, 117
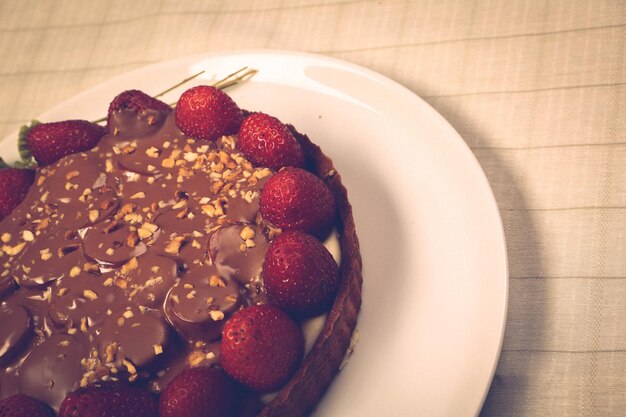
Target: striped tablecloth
536, 88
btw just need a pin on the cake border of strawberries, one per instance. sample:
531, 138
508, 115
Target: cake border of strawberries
316, 372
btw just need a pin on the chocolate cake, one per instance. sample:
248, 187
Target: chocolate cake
124, 262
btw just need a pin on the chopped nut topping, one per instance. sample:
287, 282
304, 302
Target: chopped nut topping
158, 349
72, 174
6, 237
128, 314
153, 152
13, 250
175, 244
216, 315
129, 366
138, 195
195, 358
190, 156
93, 215
28, 236
129, 266
110, 352
132, 239
247, 233
74, 272
90, 294
45, 254
216, 281
168, 163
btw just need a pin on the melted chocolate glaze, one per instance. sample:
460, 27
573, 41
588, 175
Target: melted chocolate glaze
124, 262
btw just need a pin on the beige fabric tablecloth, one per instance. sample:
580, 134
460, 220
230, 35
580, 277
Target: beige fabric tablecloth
536, 88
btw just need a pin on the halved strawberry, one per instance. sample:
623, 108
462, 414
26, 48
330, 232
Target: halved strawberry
265, 141
137, 101
111, 400
199, 392
20, 405
49, 142
295, 199
205, 112
300, 274
261, 347
14, 185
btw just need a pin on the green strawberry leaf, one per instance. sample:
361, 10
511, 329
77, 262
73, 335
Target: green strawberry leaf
22, 146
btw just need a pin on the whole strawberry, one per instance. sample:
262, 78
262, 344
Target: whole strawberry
21, 405
265, 141
137, 101
295, 199
300, 274
261, 347
14, 185
109, 400
205, 112
49, 142
199, 392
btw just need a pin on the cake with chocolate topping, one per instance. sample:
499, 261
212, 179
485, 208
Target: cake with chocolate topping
201, 261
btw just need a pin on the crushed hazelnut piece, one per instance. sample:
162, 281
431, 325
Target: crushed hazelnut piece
28, 236
130, 265
138, 195
195, 358
247, 233
6, 237
130, 367
74, 272
90, 294
158, 349
110, 352
128, 314
153, 152
93, 215
168, 163
216, 315
13, 250
174, 246
216, 281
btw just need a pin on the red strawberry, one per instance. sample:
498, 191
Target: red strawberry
14, 185
261, 347
21, 405
199, 392
137, 101
205, 112
300, 274
109, 400
295, 199
265, 141
49, 142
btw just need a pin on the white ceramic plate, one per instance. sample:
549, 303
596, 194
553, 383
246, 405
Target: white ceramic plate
435, 269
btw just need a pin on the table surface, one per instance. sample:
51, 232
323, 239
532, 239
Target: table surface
536, 88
